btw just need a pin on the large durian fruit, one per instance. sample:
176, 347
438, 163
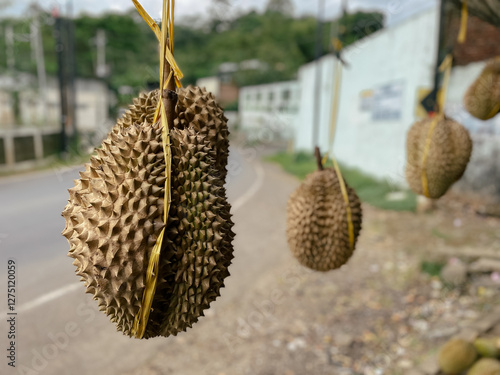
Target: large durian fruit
482, 99
115, 215
448, 154
317, 221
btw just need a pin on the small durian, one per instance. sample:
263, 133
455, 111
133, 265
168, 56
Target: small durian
456, 356
488, 347
448, 154
482, 99
485, 366
115, 215
317, 224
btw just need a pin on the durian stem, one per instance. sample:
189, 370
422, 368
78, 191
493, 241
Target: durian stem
319, 161
169, 95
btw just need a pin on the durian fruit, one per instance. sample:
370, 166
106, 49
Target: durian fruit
485, 366
448, 154
198, 107
195, 107
488, 347
115, 215
456, 356
482, 99
142, 109
317, 226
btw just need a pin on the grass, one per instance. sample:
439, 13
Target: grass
431, 268
371, 190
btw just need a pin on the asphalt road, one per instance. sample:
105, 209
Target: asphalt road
58, 327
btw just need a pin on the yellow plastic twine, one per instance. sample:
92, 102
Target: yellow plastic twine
494, 111
463, 22
445, 67
343, 189
333, 126
425, 182
168, 53
166, 38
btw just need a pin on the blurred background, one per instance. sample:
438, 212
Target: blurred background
423, 271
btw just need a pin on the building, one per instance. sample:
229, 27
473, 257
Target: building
268, 111
30, 122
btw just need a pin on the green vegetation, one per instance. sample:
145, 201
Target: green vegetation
431, 268
276, 41
369, 189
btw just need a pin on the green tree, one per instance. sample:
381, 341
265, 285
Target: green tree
279, 42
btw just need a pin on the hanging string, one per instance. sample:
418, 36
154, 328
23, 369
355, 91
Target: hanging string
463, 22
166, 38
445, 67
178, 75
331, 139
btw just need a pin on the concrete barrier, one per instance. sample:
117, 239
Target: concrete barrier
26, 147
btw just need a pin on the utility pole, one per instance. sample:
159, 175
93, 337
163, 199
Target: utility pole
344, 7
100, 41
71, 64
317, 94
37, 48
9, 43
61, 73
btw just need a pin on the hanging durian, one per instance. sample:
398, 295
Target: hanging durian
115, 214
438, 151
322, 229
113, 219
482, 99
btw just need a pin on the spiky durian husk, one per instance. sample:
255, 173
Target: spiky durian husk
114, 217
195, 107
449, 153
141, 110
482, 99
317, 228
198, 107
198, 232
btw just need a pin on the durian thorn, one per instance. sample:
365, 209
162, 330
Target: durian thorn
319, 160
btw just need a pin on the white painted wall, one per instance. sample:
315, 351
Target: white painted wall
212, 84
401, 57
269, 111
93, 102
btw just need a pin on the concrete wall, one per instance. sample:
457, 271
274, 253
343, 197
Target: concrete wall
379, 96
93, 102
269, 111
23, 148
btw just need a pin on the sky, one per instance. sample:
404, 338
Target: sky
396, 10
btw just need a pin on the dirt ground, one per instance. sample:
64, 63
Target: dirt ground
379, 314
